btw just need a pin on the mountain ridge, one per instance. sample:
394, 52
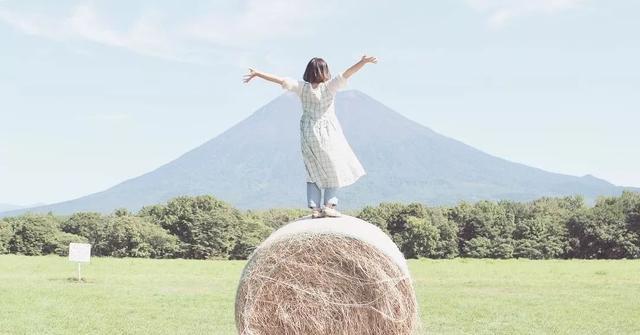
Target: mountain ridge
257, 164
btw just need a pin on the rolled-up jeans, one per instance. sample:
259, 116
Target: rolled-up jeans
314, 195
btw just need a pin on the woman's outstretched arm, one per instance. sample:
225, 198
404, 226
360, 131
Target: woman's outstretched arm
266, 76
357, 66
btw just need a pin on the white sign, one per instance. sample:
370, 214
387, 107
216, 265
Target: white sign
79, 252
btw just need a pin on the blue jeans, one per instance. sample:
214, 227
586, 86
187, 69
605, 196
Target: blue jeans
314, 194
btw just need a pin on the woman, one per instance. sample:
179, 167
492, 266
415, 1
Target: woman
328, 158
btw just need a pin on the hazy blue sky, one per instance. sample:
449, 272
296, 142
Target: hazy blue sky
95, 92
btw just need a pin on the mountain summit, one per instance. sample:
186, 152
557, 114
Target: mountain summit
257, 164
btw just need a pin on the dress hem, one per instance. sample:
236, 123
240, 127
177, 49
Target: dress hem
339, 185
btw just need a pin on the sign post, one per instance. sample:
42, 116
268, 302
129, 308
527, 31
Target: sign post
80, 253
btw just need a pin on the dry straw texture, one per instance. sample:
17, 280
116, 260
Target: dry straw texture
324, 283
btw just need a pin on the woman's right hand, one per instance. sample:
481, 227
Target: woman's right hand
247, 77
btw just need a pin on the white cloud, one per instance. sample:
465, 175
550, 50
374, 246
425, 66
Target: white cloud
501, 12
114, 117
83, 23
32, 24
258, 21
219, 33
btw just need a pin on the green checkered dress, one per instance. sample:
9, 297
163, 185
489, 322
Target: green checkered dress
328, 157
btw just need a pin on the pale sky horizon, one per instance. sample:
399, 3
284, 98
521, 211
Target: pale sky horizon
96, 92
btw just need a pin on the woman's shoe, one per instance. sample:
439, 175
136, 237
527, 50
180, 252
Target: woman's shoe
330, 212
316, 214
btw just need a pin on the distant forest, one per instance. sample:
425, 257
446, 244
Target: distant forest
203, 227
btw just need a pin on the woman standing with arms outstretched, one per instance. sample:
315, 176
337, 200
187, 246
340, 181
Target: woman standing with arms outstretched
328, 158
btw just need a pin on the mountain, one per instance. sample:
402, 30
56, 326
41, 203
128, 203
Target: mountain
257, 164
10, 207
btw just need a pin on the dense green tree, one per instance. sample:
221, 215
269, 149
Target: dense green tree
630, 202
392, 217
207, 227
398, 221
378, 215
277, 217
447, 244
417, 230
485, 229
633, 218
86, 224
152, 212
541, 227
418, 239
33, 234
540, 238
204, 227
252, 231
122, 212
6, 233
607, 230
132, 236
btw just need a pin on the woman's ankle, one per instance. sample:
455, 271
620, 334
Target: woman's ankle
316, 212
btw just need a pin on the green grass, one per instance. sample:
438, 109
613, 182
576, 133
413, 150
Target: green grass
140, 296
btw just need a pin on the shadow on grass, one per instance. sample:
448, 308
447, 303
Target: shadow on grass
75, 280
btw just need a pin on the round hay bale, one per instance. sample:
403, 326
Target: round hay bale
326, 276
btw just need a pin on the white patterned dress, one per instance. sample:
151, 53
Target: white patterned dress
328, 157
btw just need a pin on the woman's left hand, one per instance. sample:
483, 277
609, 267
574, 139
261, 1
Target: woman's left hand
369, 59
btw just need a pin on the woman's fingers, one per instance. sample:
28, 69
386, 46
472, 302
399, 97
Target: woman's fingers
248, 77
369, 59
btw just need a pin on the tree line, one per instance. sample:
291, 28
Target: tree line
203, 227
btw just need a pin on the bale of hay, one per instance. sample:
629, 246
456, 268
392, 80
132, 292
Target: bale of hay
326, 276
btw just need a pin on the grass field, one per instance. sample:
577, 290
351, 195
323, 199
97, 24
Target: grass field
141, 296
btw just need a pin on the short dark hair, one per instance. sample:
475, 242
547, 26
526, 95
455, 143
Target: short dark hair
317, 71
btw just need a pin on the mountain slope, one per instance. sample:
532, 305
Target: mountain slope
9, 207
257, 164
